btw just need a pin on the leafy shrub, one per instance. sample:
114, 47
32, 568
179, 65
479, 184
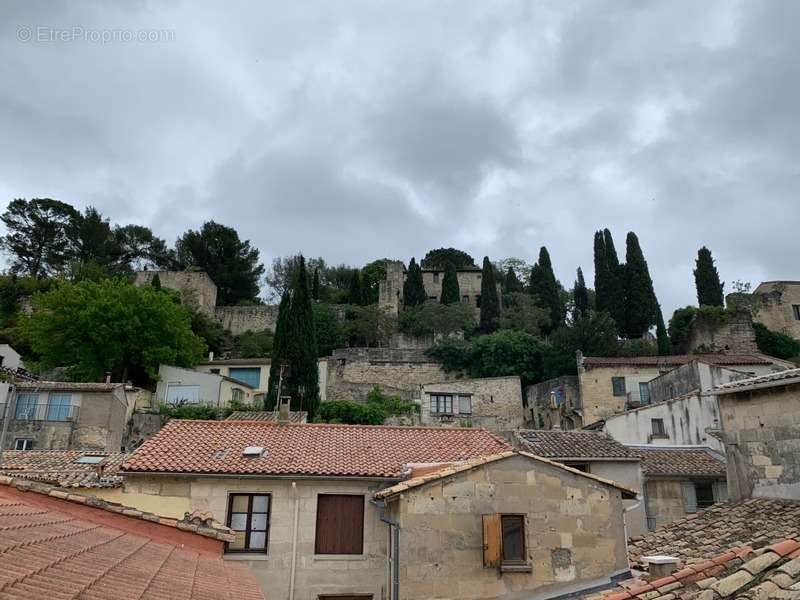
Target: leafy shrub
374, 412
189, 411
432, 318
775, 343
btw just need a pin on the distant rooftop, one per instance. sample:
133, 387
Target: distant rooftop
779, 378
235, 361
64, 468
574, 444
674, 361
680, 461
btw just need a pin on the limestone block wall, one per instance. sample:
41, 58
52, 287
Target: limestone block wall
566, 391
774, 304
597, 394
573, 530
664, 500
196, 287
733, 336
238, 319
762, 442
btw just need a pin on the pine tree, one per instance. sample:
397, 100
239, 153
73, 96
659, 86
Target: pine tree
544, 285
356, 294
490, 304
662, 337
315, 286
450, 291
511, 283
580, 296
640, 299
413, 287
156, 282
295, 345
706, 280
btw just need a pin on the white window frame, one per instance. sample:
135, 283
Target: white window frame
27, 444
468, 399
175, 385
439, 401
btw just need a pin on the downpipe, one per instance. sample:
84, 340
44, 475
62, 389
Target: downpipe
394, 533
294, 540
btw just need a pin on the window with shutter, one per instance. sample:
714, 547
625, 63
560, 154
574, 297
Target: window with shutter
504, 541
689, 497
340, 524
492, 541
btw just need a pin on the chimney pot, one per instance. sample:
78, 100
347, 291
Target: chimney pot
661, 566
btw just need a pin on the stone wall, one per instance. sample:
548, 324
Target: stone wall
773, 303
574, 533
664, 501
597, 395
734, 335
238, 319
196, 287
762, 442
142, 426
552, 403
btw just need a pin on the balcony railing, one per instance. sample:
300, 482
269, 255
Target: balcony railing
41, 412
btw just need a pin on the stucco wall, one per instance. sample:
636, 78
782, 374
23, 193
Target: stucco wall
11, 358
664, 500
496, 403
693, 376
762, 433
573, 526
597, 394
629, 474
685, 421
214, 390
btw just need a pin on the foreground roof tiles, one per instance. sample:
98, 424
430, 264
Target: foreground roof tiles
789, 376
55, 549
678, 461
573, 444
184, 446
59, 467
757, 522
674, 361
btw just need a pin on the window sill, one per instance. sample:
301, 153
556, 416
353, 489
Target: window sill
516, 568
324, 557
245, 556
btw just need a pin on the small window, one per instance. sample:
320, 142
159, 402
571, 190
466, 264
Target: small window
704, 494
465, 299
26, 409
644, 393
465, 405
248, 516
89, 459
478, 300
442, 404
23, 444
658, 428
340, 524
214, 371
796, 311
513, 538
183, 394
435, 278
618, 385
59, 407
237, 395
584, 467
504, 541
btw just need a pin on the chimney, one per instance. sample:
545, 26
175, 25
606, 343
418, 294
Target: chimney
210, 356
283, 410
108, 376
660, 565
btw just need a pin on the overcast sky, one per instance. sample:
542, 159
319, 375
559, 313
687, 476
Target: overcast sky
358, 130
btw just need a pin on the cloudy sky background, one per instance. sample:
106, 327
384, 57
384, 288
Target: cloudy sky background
357, 130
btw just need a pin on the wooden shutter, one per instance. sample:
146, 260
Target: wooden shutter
689, 497
340, 524
492, 541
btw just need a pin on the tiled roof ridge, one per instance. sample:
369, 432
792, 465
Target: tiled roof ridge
449, 430
716, 359
745, 565
776, 376
191, 522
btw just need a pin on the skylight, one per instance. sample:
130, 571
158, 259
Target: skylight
89, 459
253, 452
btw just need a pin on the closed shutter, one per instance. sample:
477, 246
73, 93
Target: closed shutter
721, 491
689, 497
492, 541
340, 524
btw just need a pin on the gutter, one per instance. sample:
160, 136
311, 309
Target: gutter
395, 566
258, 476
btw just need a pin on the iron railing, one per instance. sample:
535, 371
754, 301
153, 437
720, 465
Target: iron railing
41, 412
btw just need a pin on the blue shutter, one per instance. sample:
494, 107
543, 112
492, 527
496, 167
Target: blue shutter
249, 375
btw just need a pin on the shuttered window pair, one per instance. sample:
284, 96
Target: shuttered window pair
503, 540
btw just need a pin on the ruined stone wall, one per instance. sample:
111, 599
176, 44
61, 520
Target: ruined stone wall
774, 301
239, 319
762, 442
574, 533
552, 403
734, 335
196, 287
495, 403
390, 290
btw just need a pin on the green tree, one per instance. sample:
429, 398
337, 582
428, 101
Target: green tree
594, 334
680, 328
580, 297
413, 287
92, 328
315, 286
253, 344
138, 249
232, 264
775, 343
368, 325
355, 294
92, 240
521, 313
706, 280
450, 291
36, 235
156, 282
371, 276
444, 319
490, 303
608, 280
207, 329
545, 287
507, 353
331, 331
511, 283
441, 257
640, 299
662, 336
295, 345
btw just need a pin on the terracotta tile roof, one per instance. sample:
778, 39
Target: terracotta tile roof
573, 444
67, 386
757, 522
680, 461
674, 361
295, 416
58, 467
453, 469
53, 548
236, 361
184, 446
789, 376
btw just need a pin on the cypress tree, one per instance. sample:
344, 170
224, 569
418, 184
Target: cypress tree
706, 280
356, 294
580, 296
511, 283
315, 285
490, 304
413, 287
295, 345
608, 283
156, 282
662, 337
640, 299
544, 285
450, 292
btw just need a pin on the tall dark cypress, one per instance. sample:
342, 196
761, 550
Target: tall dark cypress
315, 285
356, 294
295, 345
544, 285
490, 303
413, 287
706, 280
580, 297
640, 299
511, 283
616, 284
602, 298
450, 291
662, 337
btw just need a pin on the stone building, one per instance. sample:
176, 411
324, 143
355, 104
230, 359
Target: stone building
761, 431
555, 403
324, 511
734, 334
697, 376
776, 304
60, 415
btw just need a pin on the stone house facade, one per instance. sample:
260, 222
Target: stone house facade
57, 415
761, 432
317, 509
777, 306
555, 403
